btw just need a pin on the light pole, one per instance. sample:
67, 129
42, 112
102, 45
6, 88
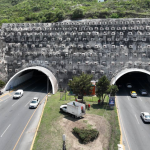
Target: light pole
64, 139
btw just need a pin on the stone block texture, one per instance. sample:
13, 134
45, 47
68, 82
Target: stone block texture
99, 47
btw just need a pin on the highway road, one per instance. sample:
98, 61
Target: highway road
17, 122
136, 134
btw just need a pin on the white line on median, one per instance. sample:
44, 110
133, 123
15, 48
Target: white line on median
137, 119
5, 130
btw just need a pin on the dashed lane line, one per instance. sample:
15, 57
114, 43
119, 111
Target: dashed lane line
140, 98
5, 130
137, 119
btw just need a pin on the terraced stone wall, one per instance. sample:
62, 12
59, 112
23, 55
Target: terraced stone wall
99, 47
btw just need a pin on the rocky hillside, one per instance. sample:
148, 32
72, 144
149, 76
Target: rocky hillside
57, 10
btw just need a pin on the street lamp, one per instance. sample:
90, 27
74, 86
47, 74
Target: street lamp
64, 139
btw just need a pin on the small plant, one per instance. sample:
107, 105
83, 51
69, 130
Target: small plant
2, 83
86, 135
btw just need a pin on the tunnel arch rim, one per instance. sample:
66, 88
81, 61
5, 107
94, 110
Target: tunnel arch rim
125, 71
49, 74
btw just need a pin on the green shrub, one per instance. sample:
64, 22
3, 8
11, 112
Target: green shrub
77, 13
50, 16
60, 15
2, 83
114, 15
86, 135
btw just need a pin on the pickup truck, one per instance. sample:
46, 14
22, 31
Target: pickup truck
74, 108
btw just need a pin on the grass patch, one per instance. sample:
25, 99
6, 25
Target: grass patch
50, 133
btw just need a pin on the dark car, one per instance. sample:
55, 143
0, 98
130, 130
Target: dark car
1, 92
143, 92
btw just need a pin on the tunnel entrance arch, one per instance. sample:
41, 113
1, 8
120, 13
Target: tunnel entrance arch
16, 79
125, 71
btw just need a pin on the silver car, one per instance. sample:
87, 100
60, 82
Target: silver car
129, 85
143, 92
34, 103
145, 116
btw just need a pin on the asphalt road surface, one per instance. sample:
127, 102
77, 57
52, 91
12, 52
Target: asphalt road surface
17, 122
136, 133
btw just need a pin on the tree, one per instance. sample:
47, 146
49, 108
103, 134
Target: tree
60, 15
113, 90
102, 88
2, 83
77, 13
50, 16
81, 85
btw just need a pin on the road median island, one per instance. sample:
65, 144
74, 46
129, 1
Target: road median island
55, 123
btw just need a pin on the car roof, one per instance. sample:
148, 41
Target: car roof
146, 113
35, 98
19, 90
133, 91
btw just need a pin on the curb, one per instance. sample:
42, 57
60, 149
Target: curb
38, 125
119, 125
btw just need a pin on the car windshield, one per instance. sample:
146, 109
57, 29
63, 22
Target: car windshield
143, 90
17, 93
33, 102
147, 116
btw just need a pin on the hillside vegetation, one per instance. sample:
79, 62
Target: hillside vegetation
56, 10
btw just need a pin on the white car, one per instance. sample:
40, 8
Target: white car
143, 92
34, 103
145, 116
63, 108
18, 94
129, 85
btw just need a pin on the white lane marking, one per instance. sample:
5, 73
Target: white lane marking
34, 88
30, 100
4, 100
129, 100
27, 103
137, 119
140, 98
15, 102
5, 130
